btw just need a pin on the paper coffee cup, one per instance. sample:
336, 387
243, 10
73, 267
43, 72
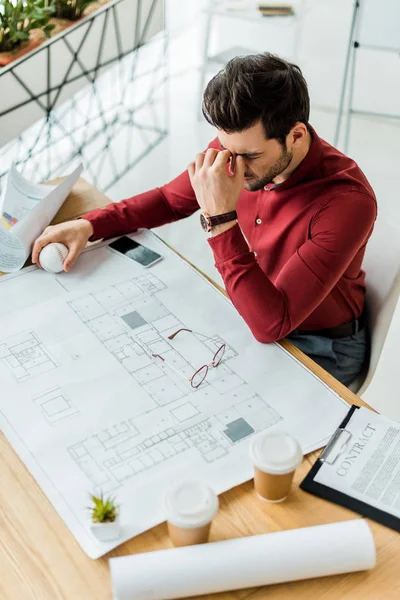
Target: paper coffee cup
275, 456
190, 507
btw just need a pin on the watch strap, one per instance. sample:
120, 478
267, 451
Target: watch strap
224, 218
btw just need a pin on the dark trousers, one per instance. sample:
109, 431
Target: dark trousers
344, 357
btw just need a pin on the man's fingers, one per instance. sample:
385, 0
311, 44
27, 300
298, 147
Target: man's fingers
191, 171
210, 157
239, 167
73, 253
40, 243
232, 163
223, 158
199, 160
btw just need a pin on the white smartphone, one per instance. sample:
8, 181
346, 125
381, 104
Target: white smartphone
135, 251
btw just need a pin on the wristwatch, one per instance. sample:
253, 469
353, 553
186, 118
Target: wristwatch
208, 222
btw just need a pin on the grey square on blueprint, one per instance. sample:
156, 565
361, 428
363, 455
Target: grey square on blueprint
134, 320
238, 430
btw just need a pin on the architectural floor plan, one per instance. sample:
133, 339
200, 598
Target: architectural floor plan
133, 325
98, 393
25, 356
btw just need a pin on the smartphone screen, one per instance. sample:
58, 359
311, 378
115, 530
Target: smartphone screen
140, 254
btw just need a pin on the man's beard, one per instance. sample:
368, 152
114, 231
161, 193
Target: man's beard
281, 164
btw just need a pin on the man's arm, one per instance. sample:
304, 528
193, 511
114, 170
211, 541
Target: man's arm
340, 229
171, 202
160, 206
166, 204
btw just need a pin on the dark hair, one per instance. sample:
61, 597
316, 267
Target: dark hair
257, 87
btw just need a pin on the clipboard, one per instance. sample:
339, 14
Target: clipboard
330, 453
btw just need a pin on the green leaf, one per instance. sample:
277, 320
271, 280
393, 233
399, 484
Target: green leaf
104, 509
21, 35
19, 18
48, 29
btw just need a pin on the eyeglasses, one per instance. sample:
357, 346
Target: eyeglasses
199, 376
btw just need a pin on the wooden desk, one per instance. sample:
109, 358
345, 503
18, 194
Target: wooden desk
40, 559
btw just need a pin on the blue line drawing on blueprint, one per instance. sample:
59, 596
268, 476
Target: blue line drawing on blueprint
132, 323
55, 405
26, 356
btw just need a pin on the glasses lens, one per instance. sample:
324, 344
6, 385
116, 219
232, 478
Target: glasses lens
218, 356
199, 376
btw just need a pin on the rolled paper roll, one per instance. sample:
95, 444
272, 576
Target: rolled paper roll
245, 562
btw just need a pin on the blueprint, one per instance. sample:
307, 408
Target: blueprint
97, 398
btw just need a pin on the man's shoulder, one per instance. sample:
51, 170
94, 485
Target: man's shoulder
343, 173
347, 206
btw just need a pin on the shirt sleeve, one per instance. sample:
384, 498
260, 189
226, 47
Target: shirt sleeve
171, 202
159, 206
337, 233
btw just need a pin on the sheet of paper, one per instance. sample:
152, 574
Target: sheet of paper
12, 251
88, 408
27, 209
20, 197
245, 562
367, 466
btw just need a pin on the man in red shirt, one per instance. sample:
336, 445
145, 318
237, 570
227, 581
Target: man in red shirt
288, 215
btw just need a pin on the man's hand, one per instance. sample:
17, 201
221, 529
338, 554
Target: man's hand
73, 234
216, 191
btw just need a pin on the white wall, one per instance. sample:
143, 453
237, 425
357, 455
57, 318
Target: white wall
316, 39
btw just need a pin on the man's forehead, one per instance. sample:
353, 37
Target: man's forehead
244, 142
240, 150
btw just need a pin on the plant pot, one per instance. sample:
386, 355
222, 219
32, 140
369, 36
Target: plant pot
36, 38
106, 532
91, 8
95, 6
60, 25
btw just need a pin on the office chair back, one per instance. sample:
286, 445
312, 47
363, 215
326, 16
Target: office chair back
382, 267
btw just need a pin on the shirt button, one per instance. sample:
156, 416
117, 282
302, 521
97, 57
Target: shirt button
258, 221
255, 254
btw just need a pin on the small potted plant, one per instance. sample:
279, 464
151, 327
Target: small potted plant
24, 24
105, 518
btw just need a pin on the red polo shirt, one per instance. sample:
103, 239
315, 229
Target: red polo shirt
293, 261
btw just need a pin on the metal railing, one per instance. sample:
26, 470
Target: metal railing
85, 126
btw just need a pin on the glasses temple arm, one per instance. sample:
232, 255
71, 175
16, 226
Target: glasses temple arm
173, 335
171, 367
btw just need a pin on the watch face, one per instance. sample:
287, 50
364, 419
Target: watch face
203, 222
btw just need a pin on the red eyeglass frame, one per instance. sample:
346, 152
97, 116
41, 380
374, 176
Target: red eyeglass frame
214, 363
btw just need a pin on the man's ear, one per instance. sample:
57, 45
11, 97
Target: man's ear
297, 135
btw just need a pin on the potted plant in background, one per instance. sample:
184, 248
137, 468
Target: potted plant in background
71, 9
105, 518
24, 25
66, 12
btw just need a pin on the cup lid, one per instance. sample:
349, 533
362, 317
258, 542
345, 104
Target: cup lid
275, 452
190, 504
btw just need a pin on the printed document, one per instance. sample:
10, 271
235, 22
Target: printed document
26, 210
365, 461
